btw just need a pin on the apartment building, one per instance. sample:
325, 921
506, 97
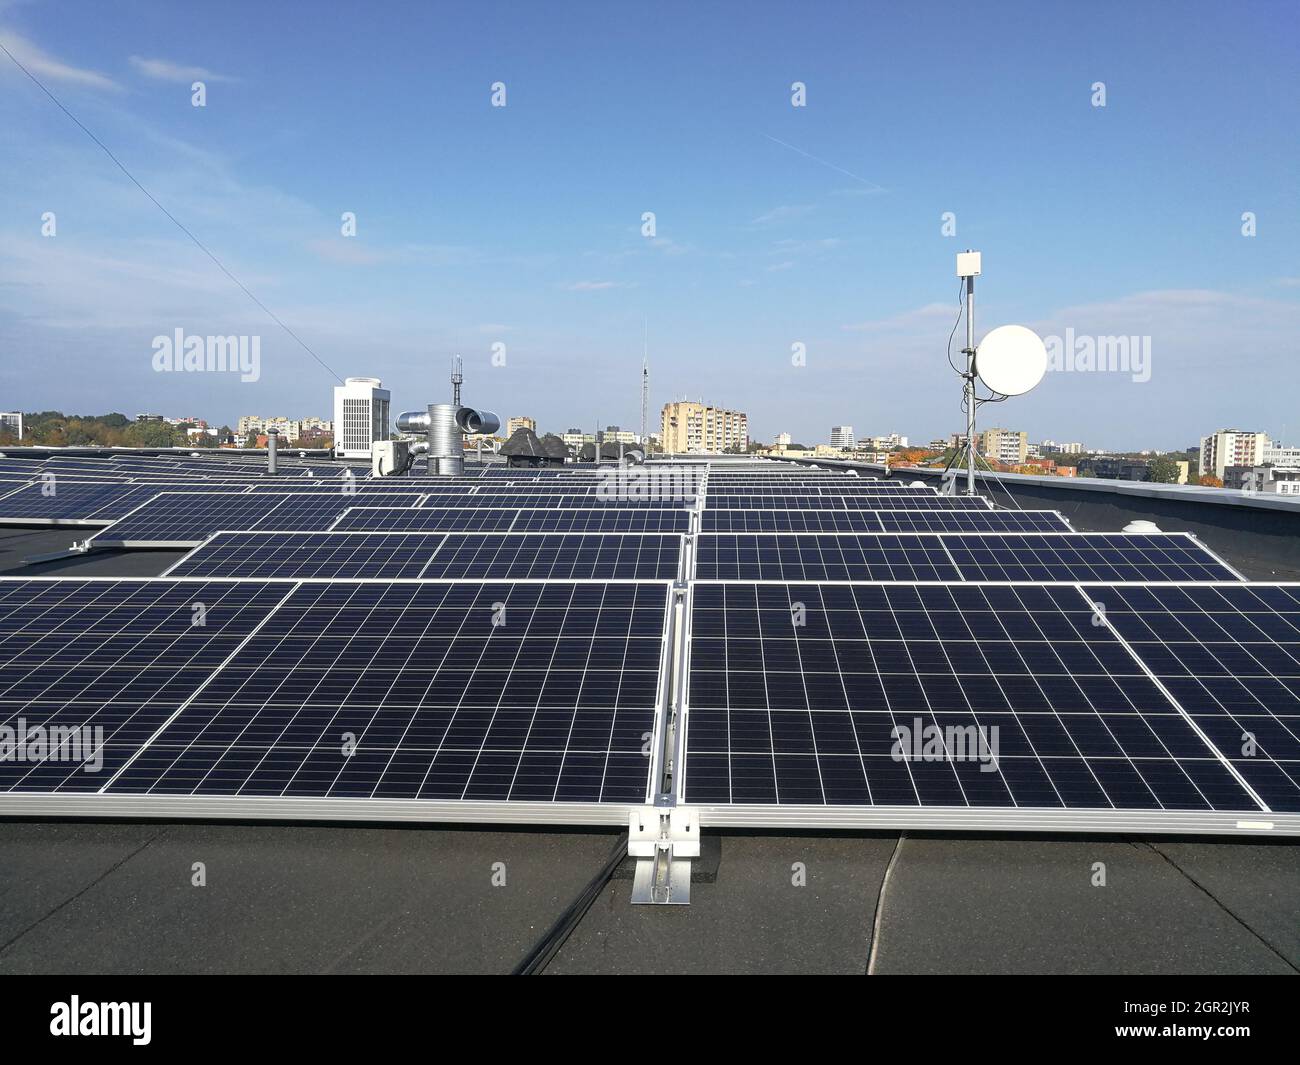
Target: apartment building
690, 428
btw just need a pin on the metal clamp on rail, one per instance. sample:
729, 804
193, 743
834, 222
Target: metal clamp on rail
663, 839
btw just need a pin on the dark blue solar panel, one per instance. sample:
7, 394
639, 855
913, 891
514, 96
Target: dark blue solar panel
64, 500
170, 518
387, 556
526, 692
812, 557
973, 521
1230, 656
596, 519
712, 520
882, 502
1075, 556
113, 655
888, 695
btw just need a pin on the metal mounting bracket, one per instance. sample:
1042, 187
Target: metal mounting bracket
663, 839
79, 547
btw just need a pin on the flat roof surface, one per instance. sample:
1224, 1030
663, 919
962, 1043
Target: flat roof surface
114, 897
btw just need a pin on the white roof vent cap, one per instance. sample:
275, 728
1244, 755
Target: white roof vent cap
1142, 526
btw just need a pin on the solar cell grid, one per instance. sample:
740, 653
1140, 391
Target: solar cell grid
455, 555
188, 519
797, 695
840, 557
840, 502
538, 693
1230, 656
110, 655
973, 520
1050, 556
1084, 557
506, 519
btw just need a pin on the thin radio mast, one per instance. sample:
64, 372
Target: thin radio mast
968, 266
645, 384
456, 378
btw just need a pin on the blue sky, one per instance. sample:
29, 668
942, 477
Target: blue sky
776, 225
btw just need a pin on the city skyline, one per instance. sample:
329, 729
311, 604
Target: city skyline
514, 235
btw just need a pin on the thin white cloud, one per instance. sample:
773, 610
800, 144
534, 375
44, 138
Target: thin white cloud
345, 250
797, 247
787, 265
782, 214
166, 70
924, 317
595, 286
44, 65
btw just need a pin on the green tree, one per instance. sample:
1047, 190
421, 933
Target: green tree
1163, 470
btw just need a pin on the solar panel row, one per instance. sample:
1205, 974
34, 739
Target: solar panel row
457, 555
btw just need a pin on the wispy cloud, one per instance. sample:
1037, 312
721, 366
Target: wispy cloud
787, 265
345, 250
166, 70
595, 286
923, 318
784, 213
789, 246
44, 65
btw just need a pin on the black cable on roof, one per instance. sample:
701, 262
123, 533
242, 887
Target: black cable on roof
549, 945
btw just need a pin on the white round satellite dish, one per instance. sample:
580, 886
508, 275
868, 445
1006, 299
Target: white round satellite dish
1011, 360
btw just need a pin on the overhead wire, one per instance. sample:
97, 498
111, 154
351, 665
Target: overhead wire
175, 221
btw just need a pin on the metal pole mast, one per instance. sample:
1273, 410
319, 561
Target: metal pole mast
970, 385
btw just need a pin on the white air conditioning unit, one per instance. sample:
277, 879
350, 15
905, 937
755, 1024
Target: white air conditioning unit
390, 458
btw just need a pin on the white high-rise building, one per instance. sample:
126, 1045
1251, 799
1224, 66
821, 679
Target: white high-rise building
1231, 447
12, 422
360, 416
841, 436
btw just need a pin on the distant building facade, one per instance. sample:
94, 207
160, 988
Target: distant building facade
842, 436
1004, 445
520, 421
700, 429
1269, 479
1231, 447
575, 438
12, 422
251, 425
361, 416
613, 434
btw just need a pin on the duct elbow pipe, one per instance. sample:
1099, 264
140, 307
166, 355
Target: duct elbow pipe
413, 421
477, 421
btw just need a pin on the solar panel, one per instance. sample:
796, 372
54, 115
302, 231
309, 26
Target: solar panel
1230, 656
814, 557
973, 521
712, 520
1076, 556
419, 519
879, 502
822, 520
62, 500
884, 696
492, 519
492, 556
119, 656
499, 693
532, 499
1052, 556
172, 519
